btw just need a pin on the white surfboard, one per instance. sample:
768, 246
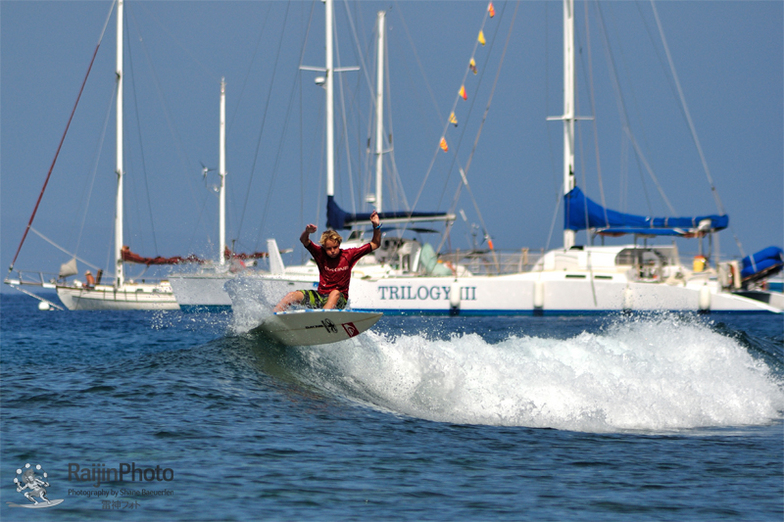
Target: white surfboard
309, 327
41, 504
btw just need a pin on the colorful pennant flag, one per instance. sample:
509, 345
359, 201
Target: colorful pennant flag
472, 65
453, 119
443, 145
463, 93
482, 37
491, 10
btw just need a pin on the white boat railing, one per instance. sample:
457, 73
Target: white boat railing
497, 262
51, 279
31, 278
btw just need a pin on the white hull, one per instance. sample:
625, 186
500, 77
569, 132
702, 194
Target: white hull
195, 290
584, 281
128, 297
205, 291
556, 295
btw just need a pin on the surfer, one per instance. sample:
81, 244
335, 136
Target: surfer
334, 266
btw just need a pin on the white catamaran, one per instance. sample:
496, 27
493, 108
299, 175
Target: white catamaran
407, 277
572, 279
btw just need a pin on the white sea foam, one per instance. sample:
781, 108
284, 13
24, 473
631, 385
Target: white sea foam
641, 374
252, 300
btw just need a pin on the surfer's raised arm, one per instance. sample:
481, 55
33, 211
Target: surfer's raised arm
375, 241
305, 237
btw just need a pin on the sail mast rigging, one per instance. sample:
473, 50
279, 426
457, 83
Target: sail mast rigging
62, 139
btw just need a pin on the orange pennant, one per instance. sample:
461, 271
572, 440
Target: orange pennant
463, 93
491, 10
453, 119
443, 145
482, 37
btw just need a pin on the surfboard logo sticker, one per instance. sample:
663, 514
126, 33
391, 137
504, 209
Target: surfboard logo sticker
330, 326
350, 329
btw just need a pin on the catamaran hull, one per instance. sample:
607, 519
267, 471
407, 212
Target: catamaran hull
131, 297
207, 292
530, 294
201, 291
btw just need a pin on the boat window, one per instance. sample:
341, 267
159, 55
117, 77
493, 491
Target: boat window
662, 257
641, 256
627, 256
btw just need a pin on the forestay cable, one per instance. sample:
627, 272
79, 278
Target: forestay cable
62, 139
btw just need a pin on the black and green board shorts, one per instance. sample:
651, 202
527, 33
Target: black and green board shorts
313, 299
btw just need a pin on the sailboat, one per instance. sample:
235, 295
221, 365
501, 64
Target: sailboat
94, 294
203, 289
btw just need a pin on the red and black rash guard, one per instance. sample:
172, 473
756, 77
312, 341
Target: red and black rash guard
335, 274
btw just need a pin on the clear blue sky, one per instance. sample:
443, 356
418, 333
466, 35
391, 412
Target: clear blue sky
728, 56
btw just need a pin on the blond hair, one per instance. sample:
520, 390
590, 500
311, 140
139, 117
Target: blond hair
330, 235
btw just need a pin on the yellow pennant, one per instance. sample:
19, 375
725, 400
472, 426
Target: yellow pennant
443, 145
491, 10
482, 37
463, 93
472, 66
453, 119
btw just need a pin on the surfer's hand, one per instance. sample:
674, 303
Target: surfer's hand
304, 238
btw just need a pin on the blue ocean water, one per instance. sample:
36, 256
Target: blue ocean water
642, 417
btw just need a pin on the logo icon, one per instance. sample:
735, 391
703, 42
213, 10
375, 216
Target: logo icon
330, 326
350, 329
27, 478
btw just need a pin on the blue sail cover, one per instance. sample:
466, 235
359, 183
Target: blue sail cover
338, 219
578, 207
767, 261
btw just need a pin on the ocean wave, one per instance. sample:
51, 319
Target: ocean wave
643, 373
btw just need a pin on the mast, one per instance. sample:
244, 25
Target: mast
330, 104
568, 117
380, 113
222, 173
569, 113
328, 82
118, 215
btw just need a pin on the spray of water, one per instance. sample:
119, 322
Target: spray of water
252, 301
652, 373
